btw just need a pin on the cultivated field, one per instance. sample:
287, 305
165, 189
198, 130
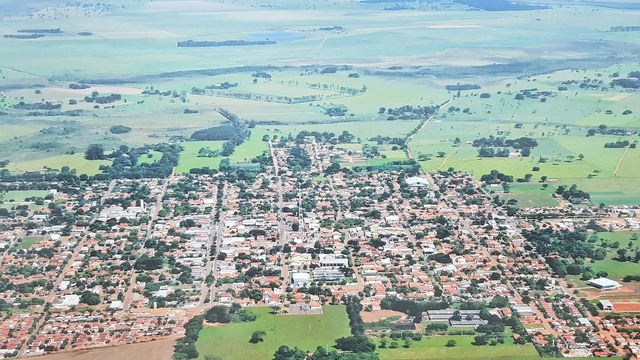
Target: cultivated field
403, 63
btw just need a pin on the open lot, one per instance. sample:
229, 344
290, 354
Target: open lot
153, 350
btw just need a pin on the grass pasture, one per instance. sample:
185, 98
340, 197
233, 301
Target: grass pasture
231, 341
189, 156
76, 161
252, 147
29, 241
617, 269
20, 195
434, 348
383, 56
532, 195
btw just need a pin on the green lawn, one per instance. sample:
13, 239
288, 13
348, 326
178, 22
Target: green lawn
29, 241
532, 195
76, 161
150, 158
189, 156
307, 332
433, 347
618, 269
252, 147
20, 195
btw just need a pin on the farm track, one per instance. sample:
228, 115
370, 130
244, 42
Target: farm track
406, 143
444, 161
620, 162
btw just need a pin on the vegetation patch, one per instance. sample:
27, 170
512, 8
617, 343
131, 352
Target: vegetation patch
303, 331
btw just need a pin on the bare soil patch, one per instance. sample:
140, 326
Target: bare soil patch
626, 307
377, 315
152, 350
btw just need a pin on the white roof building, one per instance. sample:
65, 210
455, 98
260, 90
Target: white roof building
70, 300
416, 181
604, 283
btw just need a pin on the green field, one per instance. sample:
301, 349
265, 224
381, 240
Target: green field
150, 158
618, 269
385, 61
531, 195
434, 348
75, 162
20, 195
29, 241
189, 156
254, 146
307, 332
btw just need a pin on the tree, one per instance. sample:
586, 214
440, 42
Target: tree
257, 336
188, 223
286, 353
95, 152
451, 343
90, 298
622, 255
357, 344
218, 313
479, 340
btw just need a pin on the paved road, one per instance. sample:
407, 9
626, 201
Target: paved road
215, 239
153, 215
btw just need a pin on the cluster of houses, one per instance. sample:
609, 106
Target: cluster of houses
133, 260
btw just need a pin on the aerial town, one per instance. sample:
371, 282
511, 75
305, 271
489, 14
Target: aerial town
106, 263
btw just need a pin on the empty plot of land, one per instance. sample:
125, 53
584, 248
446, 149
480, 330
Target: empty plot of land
626, 307
373, 316
154, 350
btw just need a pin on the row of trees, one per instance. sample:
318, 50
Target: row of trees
492, 141
185, 348
408, 112
217, 133
235, 313
106, 99
572, 194
125, 161
617, 145
195, 43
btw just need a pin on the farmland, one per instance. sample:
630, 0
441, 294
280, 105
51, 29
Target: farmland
306, 78
150, 120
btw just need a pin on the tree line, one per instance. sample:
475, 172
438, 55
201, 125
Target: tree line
204, 43
185, 348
